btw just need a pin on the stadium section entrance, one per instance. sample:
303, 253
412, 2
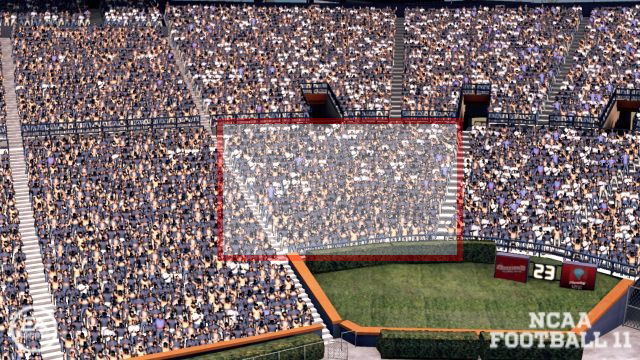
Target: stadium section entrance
632, 312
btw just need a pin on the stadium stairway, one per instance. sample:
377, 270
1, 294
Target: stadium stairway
96, 17
43, 308
205, 120
448, 208
563, 70
326, 335
397, 80
252, 202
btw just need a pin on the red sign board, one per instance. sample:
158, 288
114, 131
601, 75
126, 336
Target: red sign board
511, 267
579, 276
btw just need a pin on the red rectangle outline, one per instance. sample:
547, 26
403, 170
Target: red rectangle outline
362, 121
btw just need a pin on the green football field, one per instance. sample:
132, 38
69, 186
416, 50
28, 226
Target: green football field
450, 295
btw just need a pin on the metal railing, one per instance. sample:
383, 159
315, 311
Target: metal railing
366, 114
351, 333
614, 266
88, 127
607, 109
465, 89
284, 354
620, 94
504, 118
336, 103
314, 88
476, 89
259, 116
323, 88
627, 94
440, 114
460, 101
596, 122
589, 122
344, 243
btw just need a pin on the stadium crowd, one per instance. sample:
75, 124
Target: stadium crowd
14, 292
127, 222
97, 73
127, 228
516, 50
566, 187
607, 57
248, 59
320, 185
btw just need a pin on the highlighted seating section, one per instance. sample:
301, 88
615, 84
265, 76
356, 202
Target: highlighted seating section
127, 222
321, 185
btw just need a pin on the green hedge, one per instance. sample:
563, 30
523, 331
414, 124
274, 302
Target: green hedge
501, 352
428, 345
314, 350
483, 252
465, 345
473, 251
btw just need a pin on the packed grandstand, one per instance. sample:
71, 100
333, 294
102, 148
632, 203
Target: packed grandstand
126, 222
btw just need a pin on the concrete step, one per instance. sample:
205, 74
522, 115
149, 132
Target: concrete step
397, 82
52, 355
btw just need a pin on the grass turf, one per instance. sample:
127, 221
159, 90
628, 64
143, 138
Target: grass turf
450, 295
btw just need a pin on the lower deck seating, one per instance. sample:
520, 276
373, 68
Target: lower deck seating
127, 229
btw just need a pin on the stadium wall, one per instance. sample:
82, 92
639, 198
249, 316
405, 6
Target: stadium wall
608, 314
232, 344
325, 308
